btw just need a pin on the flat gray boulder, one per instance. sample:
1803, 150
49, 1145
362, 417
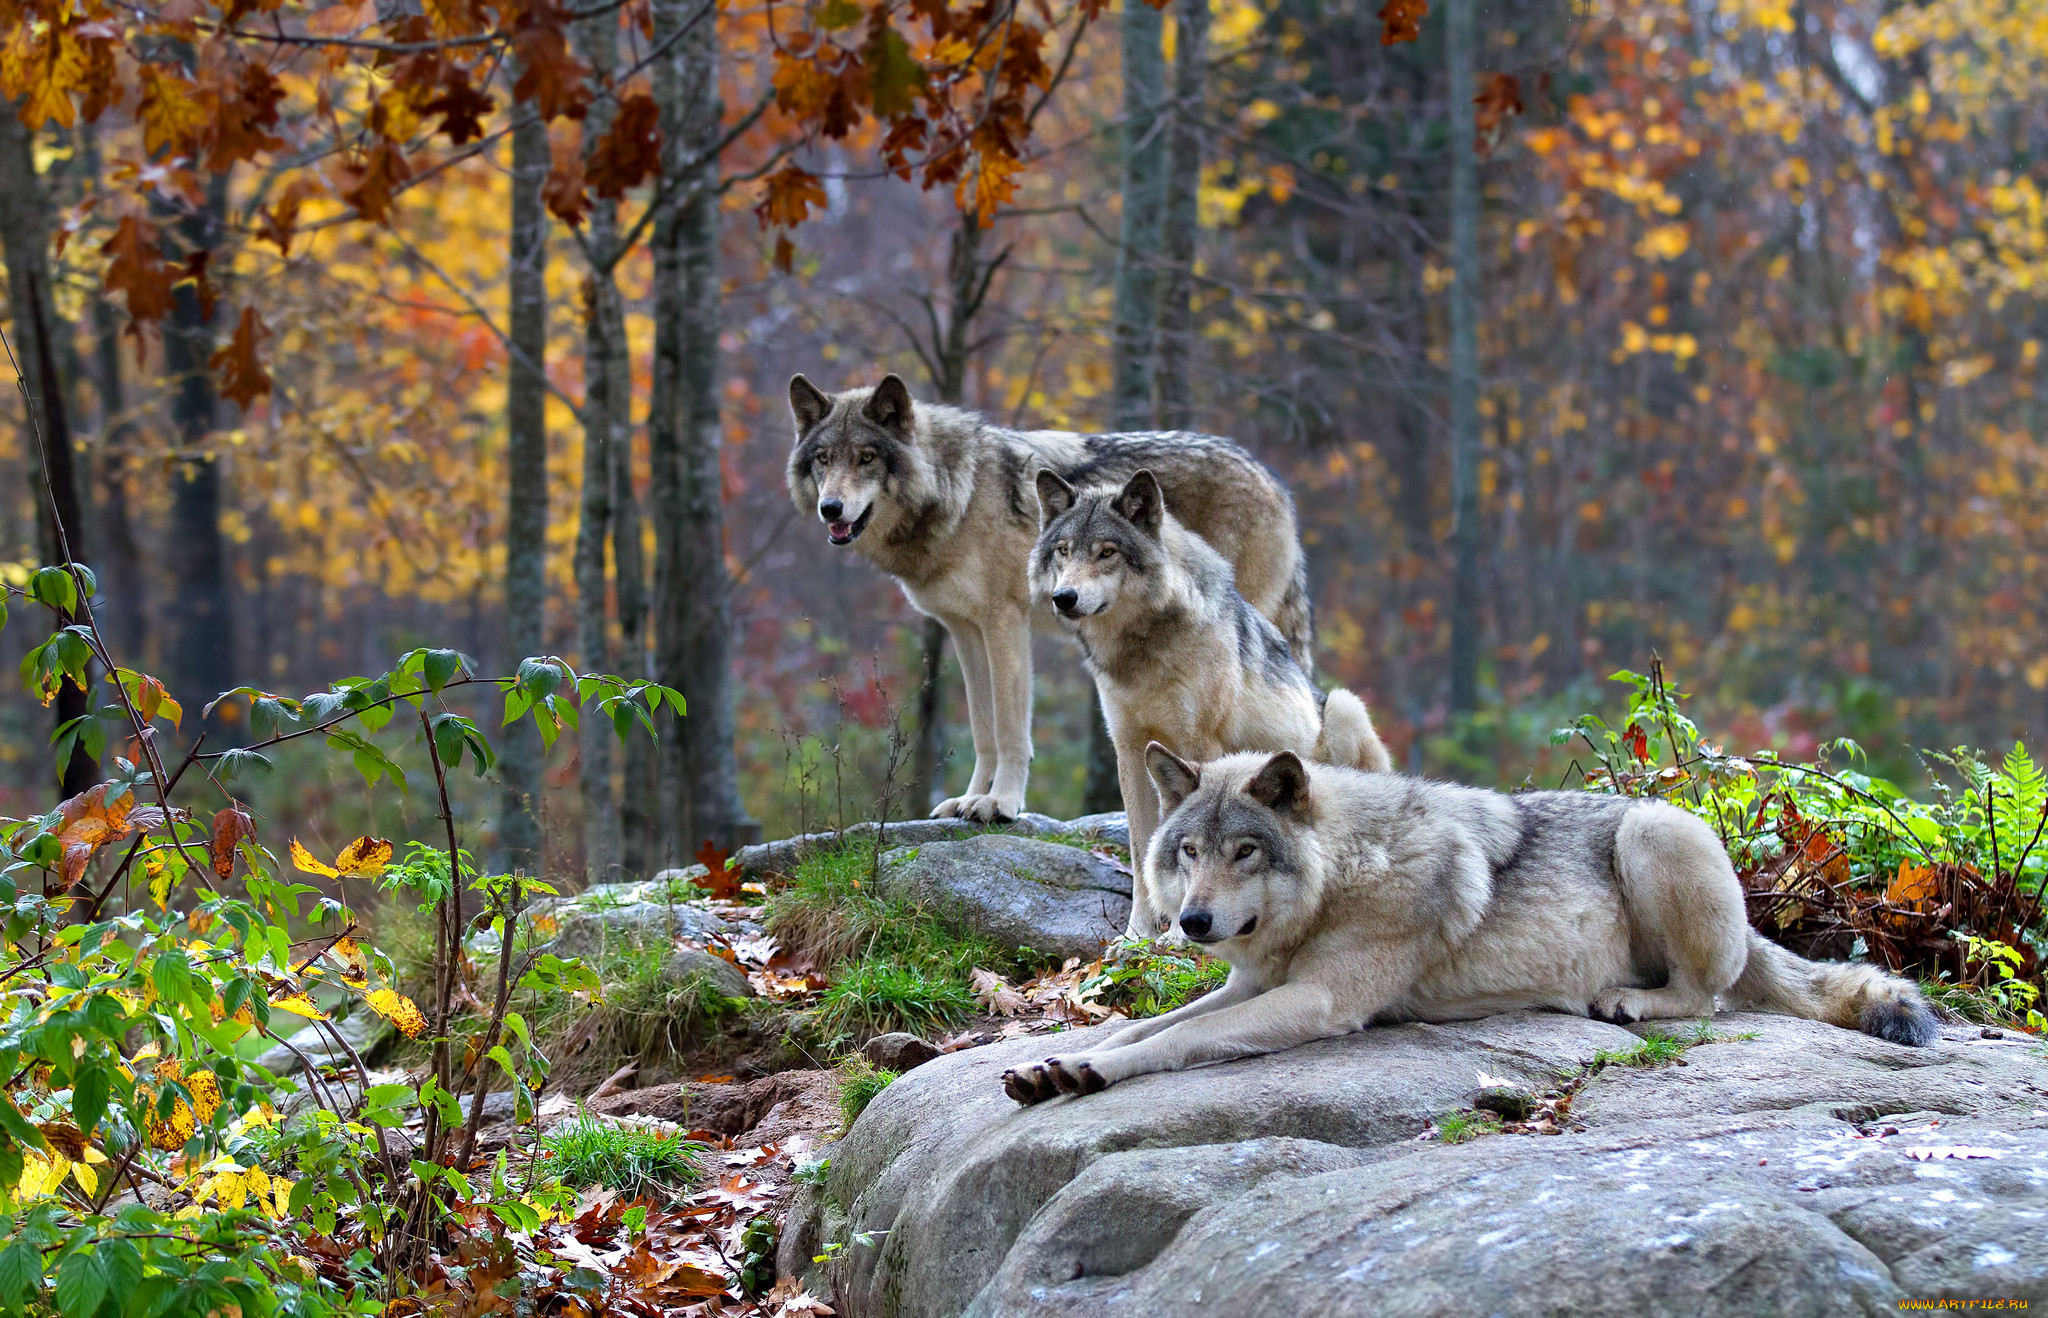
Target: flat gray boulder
686, 964
1805, 1170
1019, 892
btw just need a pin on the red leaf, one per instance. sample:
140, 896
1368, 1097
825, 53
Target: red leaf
136, 268
787, 196
720, 881
630, 152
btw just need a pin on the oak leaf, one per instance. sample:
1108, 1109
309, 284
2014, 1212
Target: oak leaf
136, 269
563, 189
555, 81
376, 182
787, 197
720, 880
631, 152
1401, 20
171, 111
242, 377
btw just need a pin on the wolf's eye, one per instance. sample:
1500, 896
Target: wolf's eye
1106, 553
1060, 549
1245, 850
1188, 849
823, 459
867, 456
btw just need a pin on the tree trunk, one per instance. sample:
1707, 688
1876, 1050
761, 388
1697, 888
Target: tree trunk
637, 775
1134, 332
526, 521
1464, 379
1181, 216
605, 416
967, 277
25, 230
202, 637
122, 588
692, 606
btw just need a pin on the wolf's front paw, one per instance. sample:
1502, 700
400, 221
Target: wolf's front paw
1029, 1084
1617, 1007
949, 808
986, 808
1076, 1075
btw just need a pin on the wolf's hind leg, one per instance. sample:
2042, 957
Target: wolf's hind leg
1685, 904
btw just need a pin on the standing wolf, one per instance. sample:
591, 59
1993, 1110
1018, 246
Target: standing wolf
1177, 653
941, 500
1343, 898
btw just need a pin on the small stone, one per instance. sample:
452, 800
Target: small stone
898, 1052
1510, 1104
1990, 1033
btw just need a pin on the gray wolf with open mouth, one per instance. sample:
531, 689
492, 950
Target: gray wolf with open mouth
1342, 899
1179, 656
942, 500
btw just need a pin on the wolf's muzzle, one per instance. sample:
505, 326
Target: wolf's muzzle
1066, 599
838, 530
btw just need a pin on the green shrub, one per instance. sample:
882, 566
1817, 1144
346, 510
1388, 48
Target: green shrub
1143, 979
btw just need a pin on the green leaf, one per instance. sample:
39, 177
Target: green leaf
122, 1263
21, 1273
894, 75
439, 666
237, 763
173, 976
837, 14
538, 677
55, 587
89, 1097
20, 1126
81, 1285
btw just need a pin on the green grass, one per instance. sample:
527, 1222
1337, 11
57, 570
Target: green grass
859, 1081
1662, 1049
876, 997
896, 964
1996, 1005
637, 1163
1463, 1127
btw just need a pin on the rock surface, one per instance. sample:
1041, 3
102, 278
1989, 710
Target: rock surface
898, 1052
784, 855
687, 963
1060, 900
612, 914
1805, 1170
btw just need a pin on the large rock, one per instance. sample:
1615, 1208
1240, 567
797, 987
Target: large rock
687, 964
1020, 892
784, 856
1807, 1170
612, 915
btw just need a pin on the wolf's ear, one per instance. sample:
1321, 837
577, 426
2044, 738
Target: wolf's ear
807, 403
1055, 496
1142, 503
889, 406
1175, 778
1282, 786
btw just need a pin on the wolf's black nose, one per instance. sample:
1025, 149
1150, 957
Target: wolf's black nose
1195, 924
1065, 599
831, 509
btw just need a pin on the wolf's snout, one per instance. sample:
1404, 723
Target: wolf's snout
1065, 598
1196, 924
831, 510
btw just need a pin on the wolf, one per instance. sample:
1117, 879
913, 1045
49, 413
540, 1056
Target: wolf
1179, 656
1343, 899
941, 500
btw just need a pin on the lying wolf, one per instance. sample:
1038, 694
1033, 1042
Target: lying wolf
941, 500
1177, 653
1343, 898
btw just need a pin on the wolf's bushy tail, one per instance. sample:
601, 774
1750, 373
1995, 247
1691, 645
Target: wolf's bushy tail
1296, 616
1853, 996
1347, 737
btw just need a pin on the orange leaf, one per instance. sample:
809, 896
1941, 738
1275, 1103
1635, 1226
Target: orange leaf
563, 190
719, 881
1913, 886
87, 822
230, 826
171, 112
135, 268
787, 197
1402, 21
553, 79
377, 181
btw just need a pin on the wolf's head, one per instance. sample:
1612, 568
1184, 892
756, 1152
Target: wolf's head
1230, 846
850, 451
1094, 547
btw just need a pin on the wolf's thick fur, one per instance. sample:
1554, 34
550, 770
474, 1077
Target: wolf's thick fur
1177, 653
941, 500
1341, 899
